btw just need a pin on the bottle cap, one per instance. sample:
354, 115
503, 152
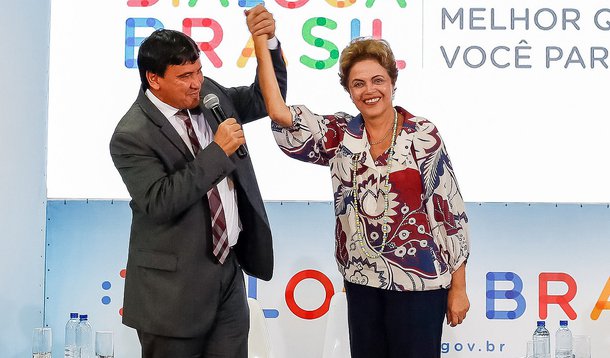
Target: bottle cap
73, 315
83, 317
540, 323
563, 323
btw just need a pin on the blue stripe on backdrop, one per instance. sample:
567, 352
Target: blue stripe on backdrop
516, 249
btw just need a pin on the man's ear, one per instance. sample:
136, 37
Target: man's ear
153, 80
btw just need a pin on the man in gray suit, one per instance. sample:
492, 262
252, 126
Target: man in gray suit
185, 295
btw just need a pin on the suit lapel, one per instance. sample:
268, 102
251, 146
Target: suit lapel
244, 172
209, 117
164, 125
207, 114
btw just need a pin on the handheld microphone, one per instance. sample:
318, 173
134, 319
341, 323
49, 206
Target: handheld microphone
211, 102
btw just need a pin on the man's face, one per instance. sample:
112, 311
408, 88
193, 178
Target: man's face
180, 85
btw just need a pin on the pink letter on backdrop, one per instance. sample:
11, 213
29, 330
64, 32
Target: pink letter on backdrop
291, 4
141, 3
562, 300
206, 47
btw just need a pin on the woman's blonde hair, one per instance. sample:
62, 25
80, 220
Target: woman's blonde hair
366, 49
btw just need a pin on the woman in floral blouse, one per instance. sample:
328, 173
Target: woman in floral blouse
401, 230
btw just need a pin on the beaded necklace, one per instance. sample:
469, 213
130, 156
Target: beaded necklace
385, 227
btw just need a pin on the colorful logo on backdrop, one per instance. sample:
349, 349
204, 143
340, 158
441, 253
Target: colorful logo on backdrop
546, 296
494, 295
107, 287
252, 284
209, 45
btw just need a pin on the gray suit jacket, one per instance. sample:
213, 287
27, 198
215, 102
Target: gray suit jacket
172, 286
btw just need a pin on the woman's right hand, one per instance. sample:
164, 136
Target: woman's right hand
262, 27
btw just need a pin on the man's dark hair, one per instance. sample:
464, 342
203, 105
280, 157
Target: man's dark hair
164, 48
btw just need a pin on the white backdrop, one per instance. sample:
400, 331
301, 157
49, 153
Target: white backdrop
517, 128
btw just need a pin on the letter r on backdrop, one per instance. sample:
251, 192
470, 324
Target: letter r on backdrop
562, 300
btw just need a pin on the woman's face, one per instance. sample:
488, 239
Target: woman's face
370, 88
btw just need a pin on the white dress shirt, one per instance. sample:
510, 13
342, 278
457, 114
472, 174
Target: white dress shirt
205, 136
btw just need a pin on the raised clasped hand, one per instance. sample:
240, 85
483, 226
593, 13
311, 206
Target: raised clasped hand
260, 21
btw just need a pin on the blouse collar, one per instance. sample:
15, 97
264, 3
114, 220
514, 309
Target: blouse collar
355, 139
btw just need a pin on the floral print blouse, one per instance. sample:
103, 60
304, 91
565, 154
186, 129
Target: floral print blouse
426, 235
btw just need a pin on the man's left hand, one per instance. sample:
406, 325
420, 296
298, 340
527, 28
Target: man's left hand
260, 21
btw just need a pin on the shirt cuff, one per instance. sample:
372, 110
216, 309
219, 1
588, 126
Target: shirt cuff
273, 43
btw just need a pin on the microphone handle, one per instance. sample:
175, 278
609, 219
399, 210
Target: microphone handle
220, 116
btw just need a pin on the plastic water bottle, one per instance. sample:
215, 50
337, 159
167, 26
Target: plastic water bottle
542, 341
84, 345
70, 338
563, 341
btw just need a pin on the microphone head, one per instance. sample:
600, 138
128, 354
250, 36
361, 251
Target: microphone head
210, 101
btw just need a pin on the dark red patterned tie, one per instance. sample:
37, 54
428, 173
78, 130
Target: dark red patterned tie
220, 239
184, 116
